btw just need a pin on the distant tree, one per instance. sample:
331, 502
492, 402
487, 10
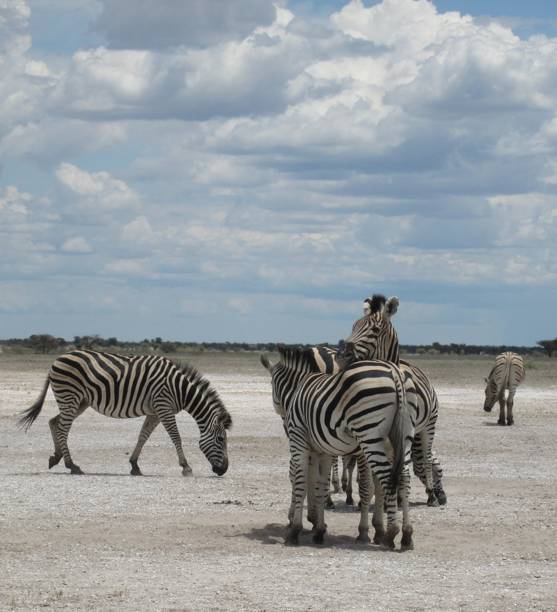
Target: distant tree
548, 346
168, 347
44, 343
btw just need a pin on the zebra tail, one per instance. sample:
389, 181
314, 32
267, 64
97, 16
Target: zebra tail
400, 430
29, 416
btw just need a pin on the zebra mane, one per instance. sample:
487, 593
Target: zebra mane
377, 303
198, 379
297, 358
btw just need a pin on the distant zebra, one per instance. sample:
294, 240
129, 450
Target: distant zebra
374, 337
507, 373
125, 387
335, 415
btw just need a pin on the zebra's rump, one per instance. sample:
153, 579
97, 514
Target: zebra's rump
357, 399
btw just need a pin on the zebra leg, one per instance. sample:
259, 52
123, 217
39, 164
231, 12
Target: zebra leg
364, 486
299, 458
321, 487
334, 476
377, 519
501, 420
67, 416
54, 459
378, 461
425, 440
349, 468
149, 424
313, 466
407, 530
168, 420
510, 404
329, 501
437, 481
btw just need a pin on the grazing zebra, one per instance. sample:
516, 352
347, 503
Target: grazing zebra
124, 387
507, 374
374, 337
335, 415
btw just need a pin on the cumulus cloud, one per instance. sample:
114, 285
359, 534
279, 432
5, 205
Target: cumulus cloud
132, 24
250, 149
76, 244
98, 189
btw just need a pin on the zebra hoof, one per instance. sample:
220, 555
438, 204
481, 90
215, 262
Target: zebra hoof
135, 471
510, 422
441, 497
187, 471
292, 537
501, 422
363, 537
318, 536
432, 500
329, 504
379, 536
75, 469
349, 500
406, 543
53, 460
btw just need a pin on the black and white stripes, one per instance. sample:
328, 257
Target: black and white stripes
357, 409
507, 373
125, 387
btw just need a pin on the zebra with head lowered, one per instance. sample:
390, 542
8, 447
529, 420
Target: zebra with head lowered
507, 373
374, 337
334, 415
125, 387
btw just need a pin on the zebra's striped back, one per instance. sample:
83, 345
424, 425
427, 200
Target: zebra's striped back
335, 410
118, 386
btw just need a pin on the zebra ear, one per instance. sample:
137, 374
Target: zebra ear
391, 307
265, 363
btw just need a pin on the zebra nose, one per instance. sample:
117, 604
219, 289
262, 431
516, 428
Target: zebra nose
220, 469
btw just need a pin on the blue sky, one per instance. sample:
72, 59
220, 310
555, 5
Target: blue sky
250, 170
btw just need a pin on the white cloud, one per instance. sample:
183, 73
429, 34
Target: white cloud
98, 188
76, 244
390, 144
128, 267
152, 24
14, 202
138, 231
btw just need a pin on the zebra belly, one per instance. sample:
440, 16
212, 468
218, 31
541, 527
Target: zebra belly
338, 446
123, 412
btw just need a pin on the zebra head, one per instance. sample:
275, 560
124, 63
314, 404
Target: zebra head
213, 421
373, 336
293, 364
213, 443
490, 393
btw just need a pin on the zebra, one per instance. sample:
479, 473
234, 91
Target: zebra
507, 373
325, 358
132, 386
374, 337
335, 415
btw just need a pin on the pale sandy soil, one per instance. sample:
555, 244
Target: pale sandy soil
110, 541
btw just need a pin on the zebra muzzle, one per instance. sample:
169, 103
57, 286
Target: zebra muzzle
220, 469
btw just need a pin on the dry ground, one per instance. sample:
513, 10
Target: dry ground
108, 540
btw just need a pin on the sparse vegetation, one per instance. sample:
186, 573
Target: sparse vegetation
45, 343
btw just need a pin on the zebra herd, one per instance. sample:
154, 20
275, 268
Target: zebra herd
361, 402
